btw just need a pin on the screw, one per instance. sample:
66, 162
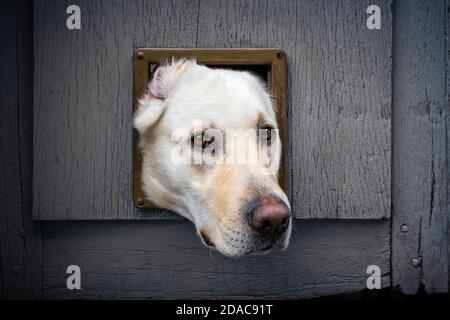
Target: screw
140, 54
416, 262
280, 55
140, 202
405, 228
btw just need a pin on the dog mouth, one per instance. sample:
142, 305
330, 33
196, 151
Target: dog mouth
260, 250
266, 247
207, 240
244, 243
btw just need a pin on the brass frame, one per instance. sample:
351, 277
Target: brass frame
274, 58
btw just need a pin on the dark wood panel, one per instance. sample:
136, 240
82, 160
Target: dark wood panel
419, 182
339, 101
19, 236
165, 259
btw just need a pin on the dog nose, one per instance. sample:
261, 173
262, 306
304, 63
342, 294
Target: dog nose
270, 217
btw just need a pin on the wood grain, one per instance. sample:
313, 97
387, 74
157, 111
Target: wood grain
419, 158
19, 236
339, 99
324, 258
448, 131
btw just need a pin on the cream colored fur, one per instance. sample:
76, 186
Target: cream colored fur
182, 97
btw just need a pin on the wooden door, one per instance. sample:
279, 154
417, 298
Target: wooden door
339, 148
71, 170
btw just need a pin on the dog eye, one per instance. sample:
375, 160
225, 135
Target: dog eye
201, 140
268, 133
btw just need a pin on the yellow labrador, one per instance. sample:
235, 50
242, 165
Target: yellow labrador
211, 152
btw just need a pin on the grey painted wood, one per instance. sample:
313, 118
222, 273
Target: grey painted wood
19, 236
164, 259
448, 129
339, 99
419, 182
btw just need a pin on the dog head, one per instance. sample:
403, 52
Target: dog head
211, 152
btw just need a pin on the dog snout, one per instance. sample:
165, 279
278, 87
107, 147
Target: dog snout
271, 217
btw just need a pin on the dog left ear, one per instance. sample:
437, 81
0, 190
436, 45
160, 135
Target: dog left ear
165, 78
151, 106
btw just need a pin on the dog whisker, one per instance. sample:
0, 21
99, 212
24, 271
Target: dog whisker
211, 256
163, 213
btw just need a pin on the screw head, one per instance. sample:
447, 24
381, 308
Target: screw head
280, 55
404, 228
415, 262
140, 202
140, 54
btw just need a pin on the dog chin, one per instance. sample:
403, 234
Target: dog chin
252, 249
233, 253
250, 252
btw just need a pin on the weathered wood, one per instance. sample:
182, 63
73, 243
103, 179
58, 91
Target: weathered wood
166, 260
322, 252
448, 130
19, 237
339, 99
419, 139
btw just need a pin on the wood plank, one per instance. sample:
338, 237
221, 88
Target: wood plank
339, 100
325, 257
448, 131
19, 236
419, 139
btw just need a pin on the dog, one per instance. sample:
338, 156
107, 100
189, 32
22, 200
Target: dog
237, 207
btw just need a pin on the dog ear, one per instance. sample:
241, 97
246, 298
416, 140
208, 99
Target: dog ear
165, 78
151, 105
148, 112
